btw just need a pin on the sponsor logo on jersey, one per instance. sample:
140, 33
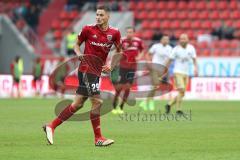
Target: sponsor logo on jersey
109, 37
101, 44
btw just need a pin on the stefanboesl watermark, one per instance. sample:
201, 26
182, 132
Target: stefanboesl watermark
158, 116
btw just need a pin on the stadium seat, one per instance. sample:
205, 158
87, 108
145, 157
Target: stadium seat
233, 5
202, 45
152, 15
225, 15
221, 5
182, 5
161, 5
147, 34
234, 44
66, 24
162, 15
146, 24
141, 15
132, 5
182, 15
237, 24
217, 52
186, 24
193, 15
57, 34
206, 25
203, 15
224, 44
196, 24
73, 15
192, 5
140, 5
201, 5
165, 24
171, 5
214, 15
151, 5
155, 24
212, 5
56, 24
205, 52
172, 15
235, 15
175, 24
64, 15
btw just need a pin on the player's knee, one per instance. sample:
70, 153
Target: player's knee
78, 102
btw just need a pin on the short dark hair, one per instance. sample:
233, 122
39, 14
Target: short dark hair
130, 27
103, 7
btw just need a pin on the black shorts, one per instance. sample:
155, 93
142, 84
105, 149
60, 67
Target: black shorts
126, 75
16, 80
36, 78
88, 84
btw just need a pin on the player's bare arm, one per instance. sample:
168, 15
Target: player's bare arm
195, 67
77, 49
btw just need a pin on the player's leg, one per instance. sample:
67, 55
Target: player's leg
181, 93
95, 120
63, 116
179, 84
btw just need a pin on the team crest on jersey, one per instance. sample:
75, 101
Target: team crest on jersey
109, 37
94, 36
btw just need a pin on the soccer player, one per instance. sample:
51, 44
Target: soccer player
183, 54
17, 71
37, 74
159, 54
132, 47
98, 39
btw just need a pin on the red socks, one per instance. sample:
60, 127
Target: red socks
95, 119
63, 116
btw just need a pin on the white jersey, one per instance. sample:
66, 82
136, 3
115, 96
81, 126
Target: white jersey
182, 57
160, 53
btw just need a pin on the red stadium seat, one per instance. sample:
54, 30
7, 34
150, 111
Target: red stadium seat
64, 15
182, 15
147, 34
73, 15
234, 44
192, 5
222, 5
190, 34
161, 5
152, 15
162, 15
226, 52
237, 24
235, 15
57, 44
212, 5
66, 24
141, 15
225, 15
233, 5
193, 15
214, 15
132, 5
175, 24
151, 5
146, 24
172, 15
196, 24
57, 34
216, 24
201, 5
171, 5
203, 15
203, 45
205, 52
155, 24
217, 52
165, 24
140, 5
56, 24
206, 25
186, 24
224, 44
182, 5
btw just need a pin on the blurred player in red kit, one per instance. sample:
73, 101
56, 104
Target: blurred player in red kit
132, 47
98, 39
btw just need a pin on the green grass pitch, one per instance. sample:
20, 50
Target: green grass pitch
213, 133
